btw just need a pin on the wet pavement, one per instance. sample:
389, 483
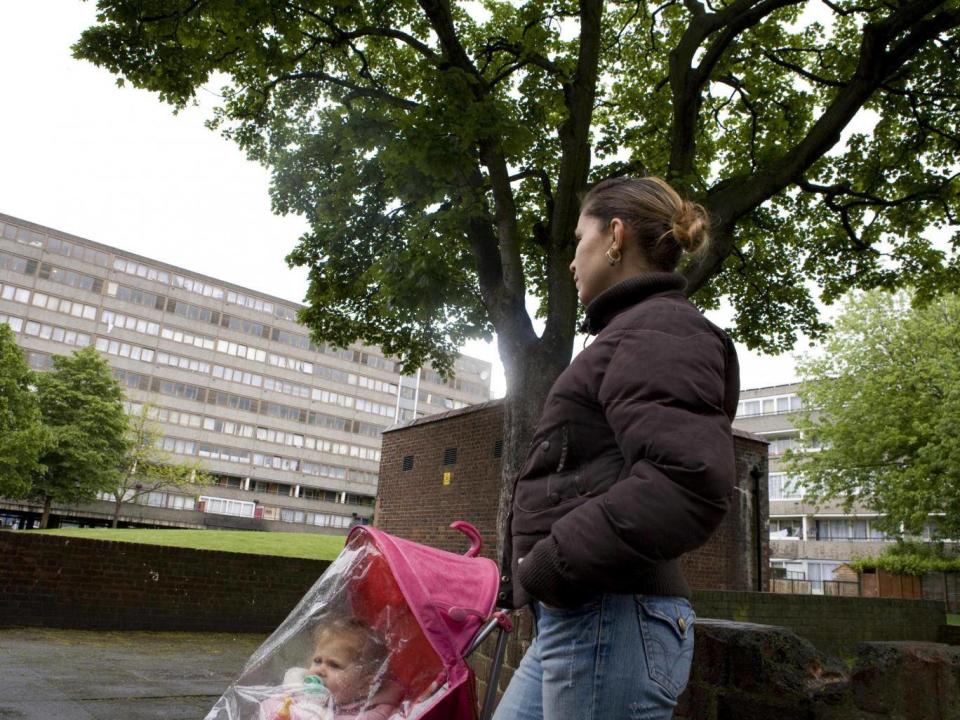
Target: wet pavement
48, 674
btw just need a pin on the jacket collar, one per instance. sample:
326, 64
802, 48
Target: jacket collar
613, 300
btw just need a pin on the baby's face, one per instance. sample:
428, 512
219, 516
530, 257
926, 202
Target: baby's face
336, 660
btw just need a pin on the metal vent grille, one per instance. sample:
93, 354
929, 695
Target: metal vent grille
450, 456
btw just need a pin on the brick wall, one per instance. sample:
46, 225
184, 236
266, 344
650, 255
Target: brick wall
51, 581
833, 624
944, 587
416, 503
737, 557
420, 502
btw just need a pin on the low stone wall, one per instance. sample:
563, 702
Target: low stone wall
757, 672
835, 625
55, 581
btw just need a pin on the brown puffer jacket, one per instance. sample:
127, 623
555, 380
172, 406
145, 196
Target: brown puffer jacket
632, 461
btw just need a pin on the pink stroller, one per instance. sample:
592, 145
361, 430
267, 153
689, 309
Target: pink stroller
382, 635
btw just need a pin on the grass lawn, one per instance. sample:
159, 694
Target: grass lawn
953, 619
298, 545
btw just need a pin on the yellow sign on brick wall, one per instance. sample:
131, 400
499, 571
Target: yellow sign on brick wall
447, 477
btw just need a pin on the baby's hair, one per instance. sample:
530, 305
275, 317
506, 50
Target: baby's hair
372, 649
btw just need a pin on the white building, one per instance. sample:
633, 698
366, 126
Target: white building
807, 542
290, 431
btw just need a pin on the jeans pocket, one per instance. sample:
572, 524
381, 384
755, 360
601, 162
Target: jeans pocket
666, 626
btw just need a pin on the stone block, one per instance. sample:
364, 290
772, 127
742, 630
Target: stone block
908, 680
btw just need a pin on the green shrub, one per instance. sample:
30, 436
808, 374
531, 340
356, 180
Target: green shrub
910, 557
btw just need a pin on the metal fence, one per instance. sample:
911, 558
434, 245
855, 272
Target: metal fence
799, 586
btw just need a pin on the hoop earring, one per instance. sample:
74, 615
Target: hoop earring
613, 256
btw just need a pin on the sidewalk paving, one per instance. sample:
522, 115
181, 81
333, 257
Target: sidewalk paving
50, 674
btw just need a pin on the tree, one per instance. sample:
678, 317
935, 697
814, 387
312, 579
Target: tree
82, 407
883, 402
438, 154
22, 435
146, 467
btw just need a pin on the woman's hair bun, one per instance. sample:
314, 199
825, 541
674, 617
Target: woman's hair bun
661, 223
691, 227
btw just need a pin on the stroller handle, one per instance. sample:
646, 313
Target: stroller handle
476, 542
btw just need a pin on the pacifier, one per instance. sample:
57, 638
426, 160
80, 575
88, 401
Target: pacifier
314, 683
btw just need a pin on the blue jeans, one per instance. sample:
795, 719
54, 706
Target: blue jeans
618, 657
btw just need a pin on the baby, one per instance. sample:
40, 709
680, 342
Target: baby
345, 679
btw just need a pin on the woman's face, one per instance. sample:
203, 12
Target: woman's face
592, 271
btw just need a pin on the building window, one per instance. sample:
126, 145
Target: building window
498, 449
786, 528
778, 446
783, 487
261, 486
842, 529
228, 481
450, 456
291, 516
407, 463
769, 406
225, 506
819, 572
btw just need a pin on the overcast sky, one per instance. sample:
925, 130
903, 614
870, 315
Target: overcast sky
116, 166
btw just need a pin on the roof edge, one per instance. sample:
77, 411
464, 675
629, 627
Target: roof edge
444, 415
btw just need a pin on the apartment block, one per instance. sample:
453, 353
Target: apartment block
289, 430
808, 542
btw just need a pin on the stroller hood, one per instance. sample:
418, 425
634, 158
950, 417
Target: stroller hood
450, 595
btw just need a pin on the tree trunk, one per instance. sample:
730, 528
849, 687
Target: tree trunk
117, 504
530, 375
45, 518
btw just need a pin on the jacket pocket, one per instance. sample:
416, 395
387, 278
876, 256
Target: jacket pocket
548, 454
542, 493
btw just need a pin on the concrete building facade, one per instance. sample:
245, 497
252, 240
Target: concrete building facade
807, 542
290, 431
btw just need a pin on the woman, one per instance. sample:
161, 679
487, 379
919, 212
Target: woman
631, 466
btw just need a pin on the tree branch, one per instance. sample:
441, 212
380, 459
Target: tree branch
169, 16
864, 199
801, 71
522, 58
731, 199
687, 82
356, 90
373, 31
741, 91
574, 134
505, 304
441, 20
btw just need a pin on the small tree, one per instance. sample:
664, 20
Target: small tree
147, 467
884, 404
82, 407
22, 435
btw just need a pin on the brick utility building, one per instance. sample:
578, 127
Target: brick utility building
447, 467
290, 431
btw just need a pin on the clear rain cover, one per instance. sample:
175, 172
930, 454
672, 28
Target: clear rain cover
350, 650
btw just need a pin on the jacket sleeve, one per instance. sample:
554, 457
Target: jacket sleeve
664, 398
